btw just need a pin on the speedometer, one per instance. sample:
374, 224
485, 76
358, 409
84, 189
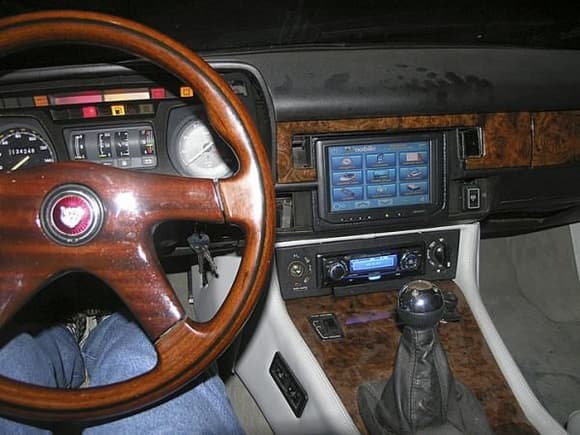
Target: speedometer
195, 152
23, 147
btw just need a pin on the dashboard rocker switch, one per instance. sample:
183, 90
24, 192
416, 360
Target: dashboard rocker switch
80, 151
472, 197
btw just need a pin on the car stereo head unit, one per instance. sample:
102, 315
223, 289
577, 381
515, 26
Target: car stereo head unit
365, 178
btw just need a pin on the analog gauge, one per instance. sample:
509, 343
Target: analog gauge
197, 154
23, 148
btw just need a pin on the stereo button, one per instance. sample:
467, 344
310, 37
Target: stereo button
337, 271
409, 261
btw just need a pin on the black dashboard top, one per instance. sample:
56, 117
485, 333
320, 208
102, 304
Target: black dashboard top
338, 83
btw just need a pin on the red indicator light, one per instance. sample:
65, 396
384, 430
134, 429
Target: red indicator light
158, 93
89, 112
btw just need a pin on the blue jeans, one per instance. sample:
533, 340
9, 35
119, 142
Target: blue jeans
117, 349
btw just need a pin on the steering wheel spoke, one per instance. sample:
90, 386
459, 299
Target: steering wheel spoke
144, 289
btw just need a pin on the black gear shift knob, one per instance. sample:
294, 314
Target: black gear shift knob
420, 304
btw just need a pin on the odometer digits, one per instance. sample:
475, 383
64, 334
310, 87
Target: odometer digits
23, 147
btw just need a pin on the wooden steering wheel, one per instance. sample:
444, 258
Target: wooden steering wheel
110, 232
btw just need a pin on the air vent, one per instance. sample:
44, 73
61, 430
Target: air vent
471, 142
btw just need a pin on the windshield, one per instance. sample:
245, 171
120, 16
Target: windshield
225, 25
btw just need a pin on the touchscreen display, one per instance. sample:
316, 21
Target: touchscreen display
378, 175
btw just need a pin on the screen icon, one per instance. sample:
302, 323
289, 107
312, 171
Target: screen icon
347, 193
413, 158
413, 173
419, 188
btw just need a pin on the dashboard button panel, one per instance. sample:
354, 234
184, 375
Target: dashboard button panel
127, 146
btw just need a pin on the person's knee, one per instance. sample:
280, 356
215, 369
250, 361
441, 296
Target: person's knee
21, 359
118, 350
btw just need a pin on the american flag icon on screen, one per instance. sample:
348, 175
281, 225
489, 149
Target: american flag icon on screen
413, 157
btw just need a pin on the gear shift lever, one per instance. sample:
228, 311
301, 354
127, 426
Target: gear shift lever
421, 396
420, 304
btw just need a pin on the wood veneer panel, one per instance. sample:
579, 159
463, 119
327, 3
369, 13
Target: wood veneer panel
507, 138
556, 138
287, 173
507, 142
367, 353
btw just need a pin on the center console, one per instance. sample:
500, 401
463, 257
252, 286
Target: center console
369, 183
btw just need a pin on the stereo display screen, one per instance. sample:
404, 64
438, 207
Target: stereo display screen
378, 175
372, 264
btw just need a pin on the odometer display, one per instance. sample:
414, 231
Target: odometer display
23, 148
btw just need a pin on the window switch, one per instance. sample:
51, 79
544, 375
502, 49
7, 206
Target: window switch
289, 386
326, 326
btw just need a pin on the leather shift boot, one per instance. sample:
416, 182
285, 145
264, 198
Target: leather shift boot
417, 394
421, 396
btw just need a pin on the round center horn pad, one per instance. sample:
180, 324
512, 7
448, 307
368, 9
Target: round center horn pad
72, 215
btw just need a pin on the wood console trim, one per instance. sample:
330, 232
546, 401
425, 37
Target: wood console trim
506, 135
556, 137
367, 353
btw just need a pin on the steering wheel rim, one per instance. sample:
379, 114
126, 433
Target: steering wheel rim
185, 348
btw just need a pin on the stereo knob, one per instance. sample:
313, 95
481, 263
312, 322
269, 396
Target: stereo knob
337, 271
297, 269
437, 254
409, 261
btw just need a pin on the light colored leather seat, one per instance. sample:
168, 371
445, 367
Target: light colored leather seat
573, 426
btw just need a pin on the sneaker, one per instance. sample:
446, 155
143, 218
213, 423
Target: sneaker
77, 326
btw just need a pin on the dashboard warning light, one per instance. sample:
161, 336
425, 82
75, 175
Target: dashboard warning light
89, 112
40, 100
185, 92
157, 93
118, 110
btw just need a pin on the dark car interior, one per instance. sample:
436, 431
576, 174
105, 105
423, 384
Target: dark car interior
376, 208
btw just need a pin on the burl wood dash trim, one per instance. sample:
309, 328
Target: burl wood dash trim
506, 136
507, 142
556, 137
367, 353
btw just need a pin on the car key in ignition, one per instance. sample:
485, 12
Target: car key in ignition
199, 243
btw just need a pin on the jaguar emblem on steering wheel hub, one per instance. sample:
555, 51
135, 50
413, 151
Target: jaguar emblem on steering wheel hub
72, 215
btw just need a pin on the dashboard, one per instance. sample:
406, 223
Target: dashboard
383, 158
347, 160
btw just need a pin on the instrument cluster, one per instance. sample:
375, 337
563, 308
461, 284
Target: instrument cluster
193, 149
158, 126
